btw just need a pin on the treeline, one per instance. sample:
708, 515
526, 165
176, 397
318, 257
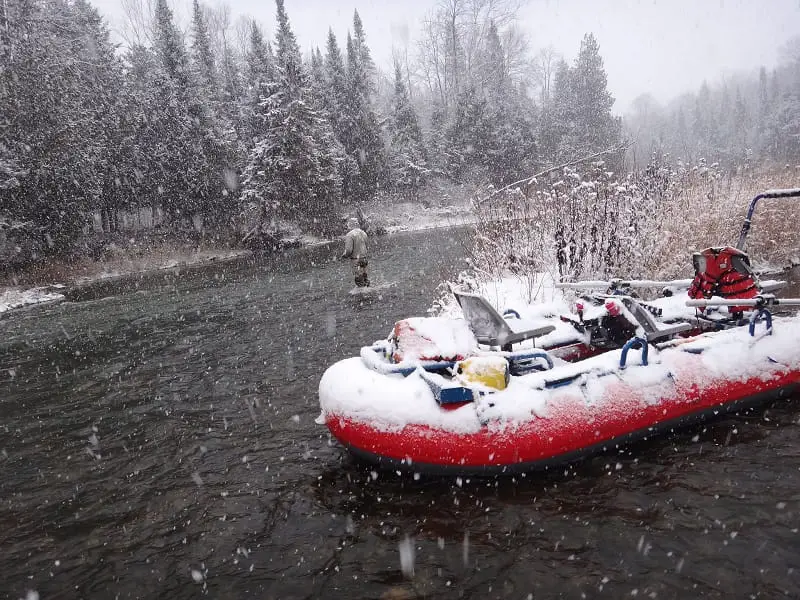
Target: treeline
230, 128
744, 119
196, 131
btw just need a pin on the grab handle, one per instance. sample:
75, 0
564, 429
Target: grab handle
628, 345
761, 312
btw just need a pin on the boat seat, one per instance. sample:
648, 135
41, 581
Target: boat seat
653, 332
490, 327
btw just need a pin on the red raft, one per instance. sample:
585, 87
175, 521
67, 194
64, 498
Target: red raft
418, 420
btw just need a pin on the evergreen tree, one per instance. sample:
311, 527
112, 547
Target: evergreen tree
510, 146
292, 170
407, 156
438, 149
169, 46
197, 185
202, 54
361, 137
334, 100
56, 118
558, 117
468, 135
336, 80
318, 83
261, 81
594, 127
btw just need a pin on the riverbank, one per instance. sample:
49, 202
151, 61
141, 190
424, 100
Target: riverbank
49, 282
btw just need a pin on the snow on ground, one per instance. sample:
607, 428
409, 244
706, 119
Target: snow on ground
12, 298
414, 216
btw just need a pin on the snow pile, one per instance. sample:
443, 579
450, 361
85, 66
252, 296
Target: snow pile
16, 298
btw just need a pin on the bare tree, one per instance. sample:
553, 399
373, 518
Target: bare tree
453, 43
137, 28
545, 64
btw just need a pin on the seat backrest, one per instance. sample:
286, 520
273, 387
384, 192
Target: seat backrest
651, 329
642, 315
486, 323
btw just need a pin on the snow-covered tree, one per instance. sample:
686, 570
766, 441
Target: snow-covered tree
57, 118
292, 170
202, 56
361, 136
407, 155
582, 122
203, 154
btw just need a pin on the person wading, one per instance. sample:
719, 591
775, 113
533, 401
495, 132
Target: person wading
355, 248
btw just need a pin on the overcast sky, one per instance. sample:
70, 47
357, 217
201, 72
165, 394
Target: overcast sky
664, 47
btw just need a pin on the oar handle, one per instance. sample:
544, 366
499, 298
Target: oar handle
632, 283
758, 301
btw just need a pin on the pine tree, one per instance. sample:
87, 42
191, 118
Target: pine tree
261, 77
202, 55
594, 128
317, 69
361, 137
57, 86
169, 46
558, 117
407, 156
438, 149
336, 78
509, 140
468, 135
292, 171
203, 155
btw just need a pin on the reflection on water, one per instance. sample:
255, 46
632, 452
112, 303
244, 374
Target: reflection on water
157, 440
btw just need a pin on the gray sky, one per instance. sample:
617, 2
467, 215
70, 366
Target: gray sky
664, 47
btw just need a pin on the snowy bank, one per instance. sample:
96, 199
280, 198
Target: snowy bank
12, 298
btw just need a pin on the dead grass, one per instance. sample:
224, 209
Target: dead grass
710, 212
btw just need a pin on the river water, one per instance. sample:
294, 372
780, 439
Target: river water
157, 440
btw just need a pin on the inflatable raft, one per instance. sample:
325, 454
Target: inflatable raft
409, 421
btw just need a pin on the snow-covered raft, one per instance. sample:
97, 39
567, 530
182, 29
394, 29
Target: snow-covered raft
559, 414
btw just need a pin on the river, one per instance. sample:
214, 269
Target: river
157, 440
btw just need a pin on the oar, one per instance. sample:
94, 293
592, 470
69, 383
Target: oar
757, 302
631, 283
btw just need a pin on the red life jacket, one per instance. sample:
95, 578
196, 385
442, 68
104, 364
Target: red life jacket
723, 272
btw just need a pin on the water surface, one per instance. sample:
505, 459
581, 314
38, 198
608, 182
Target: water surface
158, 441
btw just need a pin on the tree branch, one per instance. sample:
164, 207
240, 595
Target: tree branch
529, 180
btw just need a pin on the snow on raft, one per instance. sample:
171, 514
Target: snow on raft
557, 414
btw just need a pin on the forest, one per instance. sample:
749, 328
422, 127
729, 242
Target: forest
228, 132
